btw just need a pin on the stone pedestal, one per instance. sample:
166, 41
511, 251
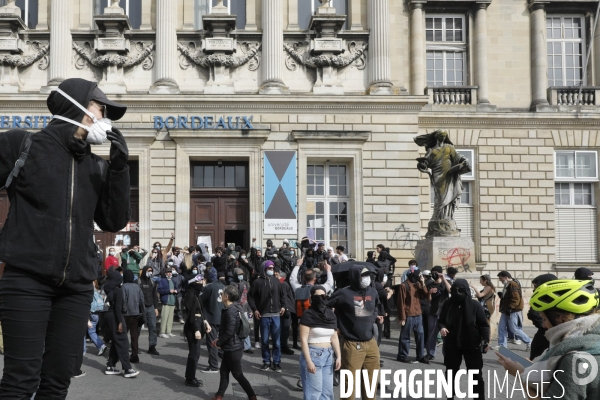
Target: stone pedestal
327, 24
219, 23
10, 44
112, 42
457, 252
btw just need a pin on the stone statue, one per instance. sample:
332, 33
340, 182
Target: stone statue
444, 165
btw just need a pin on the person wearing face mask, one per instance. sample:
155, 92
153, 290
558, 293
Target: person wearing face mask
320, 343
243, 288
167, 289
466, 333
149, 289
357, 308
243, 264
156, 264
310, 261
195, 327
111, 260
164, 251
212, 304
57, 189
410, 316
180, 281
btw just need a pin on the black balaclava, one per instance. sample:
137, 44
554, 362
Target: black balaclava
414, 276
460, 291
127, 276
114, 280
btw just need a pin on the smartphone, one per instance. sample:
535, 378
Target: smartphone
514, 356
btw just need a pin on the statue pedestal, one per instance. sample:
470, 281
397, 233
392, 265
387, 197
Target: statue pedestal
457, 252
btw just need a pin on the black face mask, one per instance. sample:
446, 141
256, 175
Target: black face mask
319, 303
414, 277
458, 295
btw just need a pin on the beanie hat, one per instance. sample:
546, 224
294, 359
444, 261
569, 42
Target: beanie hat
269, 264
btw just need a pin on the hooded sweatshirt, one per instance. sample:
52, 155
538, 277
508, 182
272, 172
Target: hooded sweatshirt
356, 308
114, 295
132, 295
58, 195
149, 289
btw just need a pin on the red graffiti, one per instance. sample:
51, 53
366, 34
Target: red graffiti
457, 257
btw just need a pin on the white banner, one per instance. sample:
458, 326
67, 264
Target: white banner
281, 226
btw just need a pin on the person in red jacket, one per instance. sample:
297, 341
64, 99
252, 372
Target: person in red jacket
111, 260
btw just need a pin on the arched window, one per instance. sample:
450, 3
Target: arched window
307, 8
133, 9
236, 7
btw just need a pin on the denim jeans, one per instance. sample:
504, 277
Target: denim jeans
413, 324
318, 386
511, 320
270, 325
151, 324
92, 331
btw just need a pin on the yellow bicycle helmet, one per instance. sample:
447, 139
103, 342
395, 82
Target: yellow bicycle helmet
577, 297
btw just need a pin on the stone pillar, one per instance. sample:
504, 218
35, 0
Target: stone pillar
61, 53
539, 57
42, 15
188, 15
292, 15
355, 15
417, 50
596, 54
379, 63
481, 64
166, 48
272, 48
251, 15
146, 15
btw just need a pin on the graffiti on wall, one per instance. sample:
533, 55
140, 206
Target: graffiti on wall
456, 257
404, 239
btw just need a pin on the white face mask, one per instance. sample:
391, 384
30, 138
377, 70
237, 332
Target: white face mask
96, 132
171, 263
384, 278
174, 273
270, 272
241, 277
112, 253
243, 257
149, 274
365, 282
194, 272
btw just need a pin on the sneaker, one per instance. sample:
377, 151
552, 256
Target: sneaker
249, 351
287, 352
102, 350
265, 367
514, 341
257, 345
439, 343
171, 335
277, 368
299, 383
131, 373
152, 350
429, 357
295, 346
192, 382
209, 370
424, 360
111, 371
164, 336
81, 375
495, 348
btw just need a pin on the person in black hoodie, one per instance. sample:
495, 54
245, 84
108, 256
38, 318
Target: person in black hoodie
231, 344
539, 343
212, 304
117, 327
357, 308
466, 333
195, 326
149, 289
46, 241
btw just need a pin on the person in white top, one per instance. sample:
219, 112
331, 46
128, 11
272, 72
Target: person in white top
319, 339
328, 285
340, 256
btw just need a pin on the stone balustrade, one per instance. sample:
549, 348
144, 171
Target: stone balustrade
569, 95
452, 95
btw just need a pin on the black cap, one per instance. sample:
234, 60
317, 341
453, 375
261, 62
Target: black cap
114, 110
583, 274
438, 269
504, 274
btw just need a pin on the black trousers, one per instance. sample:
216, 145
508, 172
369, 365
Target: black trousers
295, 324
193, 352
286, 323
386, 327
473, 359
538, 344
43, 327
232, 363
119, 347
213, 352
256, 330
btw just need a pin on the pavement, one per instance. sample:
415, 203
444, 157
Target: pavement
161, 376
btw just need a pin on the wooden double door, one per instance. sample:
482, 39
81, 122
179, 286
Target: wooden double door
224, 216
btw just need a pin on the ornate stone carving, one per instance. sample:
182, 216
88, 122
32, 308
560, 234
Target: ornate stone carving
221, 60
342, 61
85, 53
25, 61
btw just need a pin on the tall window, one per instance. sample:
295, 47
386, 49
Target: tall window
446, 50
566, 44
235, 7
226, 175
133, 9
29, 11
328, 204
575, 174
307, 8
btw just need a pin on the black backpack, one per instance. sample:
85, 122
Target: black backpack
244, 329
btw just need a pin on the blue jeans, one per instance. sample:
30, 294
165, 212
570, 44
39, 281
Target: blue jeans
318, 386
414, 324
513, 321
92, 331
151, 324
270, 325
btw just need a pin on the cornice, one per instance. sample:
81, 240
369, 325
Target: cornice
360, 136
510, 120
260, 133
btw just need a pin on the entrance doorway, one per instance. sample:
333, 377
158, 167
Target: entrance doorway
219, 203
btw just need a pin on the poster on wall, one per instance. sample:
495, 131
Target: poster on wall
205, 243
281, 212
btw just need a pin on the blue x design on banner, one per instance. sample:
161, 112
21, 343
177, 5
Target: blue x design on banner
281, 208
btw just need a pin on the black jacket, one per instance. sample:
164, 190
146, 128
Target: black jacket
58, 195
149, 289
193, 305
230, 324
289, 297
212, 302
355, 308
266, 295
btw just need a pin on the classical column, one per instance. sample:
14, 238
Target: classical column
166, 48
539, 56
379, 63
481, 68
355, 15
188, 15
146, 15
42, 15
292, 15
272, 48
251, 15
417, 50
596, 54
61, 53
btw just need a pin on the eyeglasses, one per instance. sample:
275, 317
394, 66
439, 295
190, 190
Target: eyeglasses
100, 107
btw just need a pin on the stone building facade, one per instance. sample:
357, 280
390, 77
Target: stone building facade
234, 108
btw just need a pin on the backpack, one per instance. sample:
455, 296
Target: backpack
244, 329
302, 300
97, 303
489, 305
23, 153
